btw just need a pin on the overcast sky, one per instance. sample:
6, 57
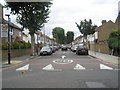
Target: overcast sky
64, 13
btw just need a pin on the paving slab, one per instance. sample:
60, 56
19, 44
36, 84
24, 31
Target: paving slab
105, 57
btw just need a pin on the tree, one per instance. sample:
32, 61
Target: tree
86, 27
114, 41
59, 35
31, 15
69, 37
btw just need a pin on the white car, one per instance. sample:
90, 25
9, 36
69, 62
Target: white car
74, 48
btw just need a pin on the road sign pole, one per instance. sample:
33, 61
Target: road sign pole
8, 44
8, 39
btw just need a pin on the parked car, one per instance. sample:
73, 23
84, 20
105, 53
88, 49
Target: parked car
69, 47
46, 50
64, 47
53, 48
82, 50
74, 48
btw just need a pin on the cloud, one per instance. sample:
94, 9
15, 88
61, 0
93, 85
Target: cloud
64, 13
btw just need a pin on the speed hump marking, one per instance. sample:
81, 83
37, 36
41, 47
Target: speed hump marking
62, 61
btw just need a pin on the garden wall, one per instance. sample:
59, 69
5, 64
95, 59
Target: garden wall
15, 53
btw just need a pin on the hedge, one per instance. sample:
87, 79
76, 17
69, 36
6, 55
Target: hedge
17, 45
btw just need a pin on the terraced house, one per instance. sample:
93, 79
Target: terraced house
44, 39
102, 32
16, 32
1, 17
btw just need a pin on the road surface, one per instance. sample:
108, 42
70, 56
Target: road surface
63, 69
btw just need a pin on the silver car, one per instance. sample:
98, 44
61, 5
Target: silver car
46, 50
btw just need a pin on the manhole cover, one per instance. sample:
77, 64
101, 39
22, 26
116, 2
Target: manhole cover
63, 61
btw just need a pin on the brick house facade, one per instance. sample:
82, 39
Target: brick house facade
103, 34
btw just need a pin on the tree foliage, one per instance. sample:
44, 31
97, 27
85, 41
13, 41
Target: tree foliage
86, 27
31, 15
59, 35
69, 37
114, 40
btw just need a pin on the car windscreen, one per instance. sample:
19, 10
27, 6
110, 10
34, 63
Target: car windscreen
45, 49
81, 46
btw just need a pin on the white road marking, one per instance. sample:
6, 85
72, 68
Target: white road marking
48, 67
79, 67
24, 68
102, 66
64, 61
63, 56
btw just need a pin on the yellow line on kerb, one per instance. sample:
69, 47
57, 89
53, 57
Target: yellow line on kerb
26, 60
9, 67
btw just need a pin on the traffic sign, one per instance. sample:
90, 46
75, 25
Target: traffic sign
4, 30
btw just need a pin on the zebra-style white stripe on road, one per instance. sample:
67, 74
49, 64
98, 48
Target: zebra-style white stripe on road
102, 66
48, 67
24, 68
79, 67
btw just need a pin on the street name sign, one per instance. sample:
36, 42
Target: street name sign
4, 30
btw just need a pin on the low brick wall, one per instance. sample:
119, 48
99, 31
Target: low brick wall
102, 48
15, 53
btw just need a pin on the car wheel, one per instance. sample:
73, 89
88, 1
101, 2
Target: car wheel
87, 53
77, 53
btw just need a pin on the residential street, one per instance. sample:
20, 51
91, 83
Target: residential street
62, 69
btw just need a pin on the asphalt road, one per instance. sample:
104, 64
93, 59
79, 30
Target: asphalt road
61, 70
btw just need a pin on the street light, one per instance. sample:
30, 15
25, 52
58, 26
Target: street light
44, 33
8, 38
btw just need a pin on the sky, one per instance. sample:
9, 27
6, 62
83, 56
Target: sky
64, 13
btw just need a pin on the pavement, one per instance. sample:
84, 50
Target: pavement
16, 60
105, 57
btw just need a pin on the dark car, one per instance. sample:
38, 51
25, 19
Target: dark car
46, 50
82, 50
53, 48
64, 47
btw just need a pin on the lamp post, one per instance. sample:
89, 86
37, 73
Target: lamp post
8, 38
44, 33
94, 44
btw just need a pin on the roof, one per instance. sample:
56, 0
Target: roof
12, 24
40, 34
98, 28
78, 37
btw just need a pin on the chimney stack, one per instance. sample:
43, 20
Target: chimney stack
103, 22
